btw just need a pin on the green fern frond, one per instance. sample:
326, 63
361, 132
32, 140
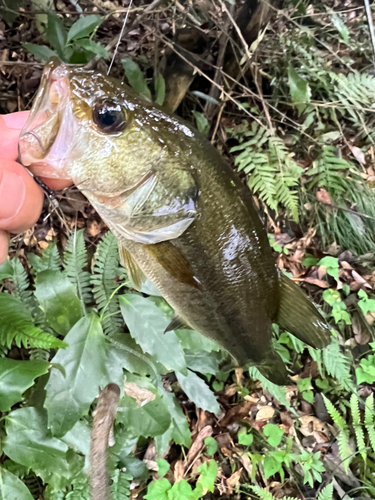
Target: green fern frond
335, 415
17, 326
369, 420
345, 451
326, 493
120, 487
277, 391
39, 354
50, 260
357, 425
263, 494
329, 171
105, 271
17, 274
75, 260
338, 365
80, 491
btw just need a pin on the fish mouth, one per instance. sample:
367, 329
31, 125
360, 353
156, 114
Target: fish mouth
47, 138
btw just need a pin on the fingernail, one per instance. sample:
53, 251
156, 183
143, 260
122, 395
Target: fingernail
15, 120
12, 194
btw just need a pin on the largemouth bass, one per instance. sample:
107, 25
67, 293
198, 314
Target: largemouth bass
181, 215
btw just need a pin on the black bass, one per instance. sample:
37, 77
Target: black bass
181, 215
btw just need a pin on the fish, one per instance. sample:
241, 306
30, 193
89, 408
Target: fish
182, 217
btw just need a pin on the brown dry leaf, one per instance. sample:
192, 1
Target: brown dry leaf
370, 318
303, 243
29, 238
234, 478
318, 282
323, 196
179, 469
224, 440
197, 446
314, 428
239, 376
358, 154
50, 235
346, 265
94, 228
142, 396
265, 413
361, 333
43, 244
360, 280
236, 413
246, 462
230, 390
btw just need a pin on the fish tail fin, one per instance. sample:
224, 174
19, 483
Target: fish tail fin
273, 368
298, 315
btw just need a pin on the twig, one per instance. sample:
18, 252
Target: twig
119, 38
371, 28
104, 416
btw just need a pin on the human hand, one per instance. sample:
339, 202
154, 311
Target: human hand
21, 199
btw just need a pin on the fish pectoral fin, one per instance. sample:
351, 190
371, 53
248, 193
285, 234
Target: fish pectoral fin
134, 271
273, 368
174, 262
298, 315
177, 324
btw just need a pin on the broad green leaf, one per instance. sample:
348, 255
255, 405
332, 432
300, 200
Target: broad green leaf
273, 433
181, 490
79, 438
163, 467
159, 90
9, 10
158, 490
202, 123
304, 384
195, 341
271, 466
68, 398
58, 299
135, 77
6, 270
40, 52
28, 443
299, 89
17, 376
340, 26
211, 445
198, 391
180, 428
84, 27
208, 475
332, 266
203, 362
91, 46
56, 34
244, 438
12, 488
147, 324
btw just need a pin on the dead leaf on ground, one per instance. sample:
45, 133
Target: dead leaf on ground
361, 333
236, 414
317, 282
303, 243
314, 428
358, 154
179, 469
141, 395
323, 196
265, 413
197, 446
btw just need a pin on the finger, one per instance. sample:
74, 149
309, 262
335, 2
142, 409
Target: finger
21, 199
4, 240
10, 128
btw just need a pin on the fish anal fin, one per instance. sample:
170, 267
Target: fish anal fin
298, 315
134, 271
174, 262
177, 324
273, 368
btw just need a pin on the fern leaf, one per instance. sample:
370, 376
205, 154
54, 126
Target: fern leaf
369, 420
345, 451
50, 259
105, 271
17, 326
21, 283
338, 365
335, 415
263, 494
120, 486
326, 493
357, 425
39, 354
276, 391
75, 260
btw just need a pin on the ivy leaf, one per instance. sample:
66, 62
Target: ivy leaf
56, 34
244, 438
158, 490
202, 123
273, 433
84, 27
27, 442
300, 91
135, 77
147, 323
208, 475
69, 397
40, 52
198, 391
17, 376
12, 488
211, 445
271, 466
181, 490
332, 266
163, 467
58, 298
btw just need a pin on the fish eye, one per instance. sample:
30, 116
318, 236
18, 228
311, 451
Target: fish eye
109, 116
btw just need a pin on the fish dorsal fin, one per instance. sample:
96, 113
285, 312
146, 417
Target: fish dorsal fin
298, 315
134, 271
174, 262
177, 323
